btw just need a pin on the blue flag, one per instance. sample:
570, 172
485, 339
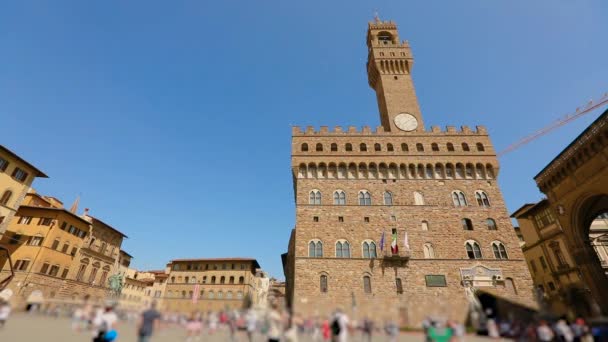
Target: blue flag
382, 243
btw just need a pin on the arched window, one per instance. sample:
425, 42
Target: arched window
367, 284
229, 295
369, 249
424, 225
469, 171
449, 171
342, 249
213, 280
365, 198
239, 295
404, 147
339, 197
459, 199
438, 171
319, 147
187, 280
489, 171
6, 197
465, 147
323, 283
499, 250
220, 295
450, 147
480, 147
103, 248
241, 280
363, 147
377, 147
388, 198
419, 147
348, 147
304, 147
315, 249
491, 224
231, 281
334, 147
315, 197
459, 171
222, 280
482, 198
389, 147
467, 224
418, 198
429, 252
211, 295
473, 250
434, 147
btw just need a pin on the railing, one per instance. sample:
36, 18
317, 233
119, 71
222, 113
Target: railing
402, 254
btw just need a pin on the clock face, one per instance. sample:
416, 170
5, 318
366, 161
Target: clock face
406, 122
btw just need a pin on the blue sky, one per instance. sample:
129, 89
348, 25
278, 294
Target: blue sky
172, 119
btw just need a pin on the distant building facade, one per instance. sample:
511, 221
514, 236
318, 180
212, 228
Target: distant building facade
16, 178
432, 194
209, 284
552, 265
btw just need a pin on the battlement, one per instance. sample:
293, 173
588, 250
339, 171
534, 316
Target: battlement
379, 131
378, 24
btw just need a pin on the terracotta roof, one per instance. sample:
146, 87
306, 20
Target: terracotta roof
56, 209
107, 225
14, 155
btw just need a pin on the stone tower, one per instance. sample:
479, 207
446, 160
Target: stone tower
389, 66
430, 195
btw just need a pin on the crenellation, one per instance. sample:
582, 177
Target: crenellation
381, 130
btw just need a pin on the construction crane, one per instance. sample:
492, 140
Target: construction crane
587, 108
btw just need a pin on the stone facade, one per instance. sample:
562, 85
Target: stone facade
218, 284
576, 185
554, 271
352, 186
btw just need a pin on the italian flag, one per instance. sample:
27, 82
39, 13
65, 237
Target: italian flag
394, 245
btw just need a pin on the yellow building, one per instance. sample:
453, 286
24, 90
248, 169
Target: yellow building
209, 284
58, 255
553, 267
135, 295
157, 290
16, 177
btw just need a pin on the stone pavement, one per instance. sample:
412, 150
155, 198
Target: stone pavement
22, 327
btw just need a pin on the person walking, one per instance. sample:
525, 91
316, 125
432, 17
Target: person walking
251, 324
544, 332
275, 325
5, 311
148, 322
339, 327
105, 324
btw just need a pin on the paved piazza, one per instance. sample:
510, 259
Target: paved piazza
23, 327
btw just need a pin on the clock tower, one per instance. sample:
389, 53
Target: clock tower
389, 66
